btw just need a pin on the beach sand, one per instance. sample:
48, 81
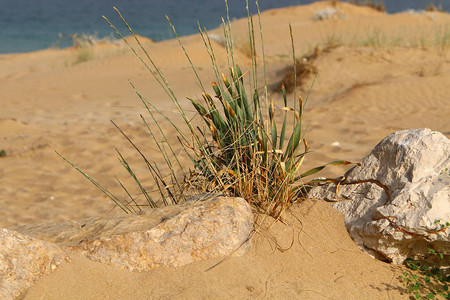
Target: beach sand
378, 73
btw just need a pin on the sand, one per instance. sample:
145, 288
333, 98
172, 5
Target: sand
384, 73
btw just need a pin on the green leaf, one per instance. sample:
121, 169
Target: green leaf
318, 169
283, 90
271, 110
435, 270
283, 132
256, 102
274, 135
227, 85
216, 90
239, 74
201, 110
293, 141
264, 145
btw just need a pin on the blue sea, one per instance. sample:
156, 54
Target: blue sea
29, 25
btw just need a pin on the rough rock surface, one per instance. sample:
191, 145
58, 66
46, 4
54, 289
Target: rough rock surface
393, 200
169, 236
23, 260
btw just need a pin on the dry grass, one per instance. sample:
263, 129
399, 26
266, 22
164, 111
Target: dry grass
432, 7
304, 67
377, 5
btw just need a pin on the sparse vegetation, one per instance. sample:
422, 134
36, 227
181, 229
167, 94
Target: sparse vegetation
432, 7
435, 38
427, 282
85, 54
442, 39
431, 274
240, 150
304, 68
2, 153
377, 5
83, 43
375, 38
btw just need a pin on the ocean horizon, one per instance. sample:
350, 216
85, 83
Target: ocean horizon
28, 25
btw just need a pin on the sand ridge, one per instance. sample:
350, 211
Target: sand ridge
323, 263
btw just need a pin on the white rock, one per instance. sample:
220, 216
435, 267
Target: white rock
335, 144
394, 199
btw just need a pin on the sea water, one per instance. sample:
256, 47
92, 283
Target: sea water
29, 25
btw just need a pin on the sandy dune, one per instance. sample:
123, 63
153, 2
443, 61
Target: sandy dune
378, 73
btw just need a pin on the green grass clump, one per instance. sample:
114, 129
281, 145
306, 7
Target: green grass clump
2, 153
83, 44
85, 54
239, 147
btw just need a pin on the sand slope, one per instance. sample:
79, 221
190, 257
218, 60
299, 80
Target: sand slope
323, 263
384, 73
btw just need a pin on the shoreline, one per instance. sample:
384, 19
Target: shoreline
115, 39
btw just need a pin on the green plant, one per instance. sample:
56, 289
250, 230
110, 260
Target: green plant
241, 149
84, 54
442, 39
426, 282
2, 153
83, 44
429, 279
442, 226
445, 171
375, 38
377, 5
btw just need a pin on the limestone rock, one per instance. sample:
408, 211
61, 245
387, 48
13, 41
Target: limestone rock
23, 260
168, 236
71, 233
396, 201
